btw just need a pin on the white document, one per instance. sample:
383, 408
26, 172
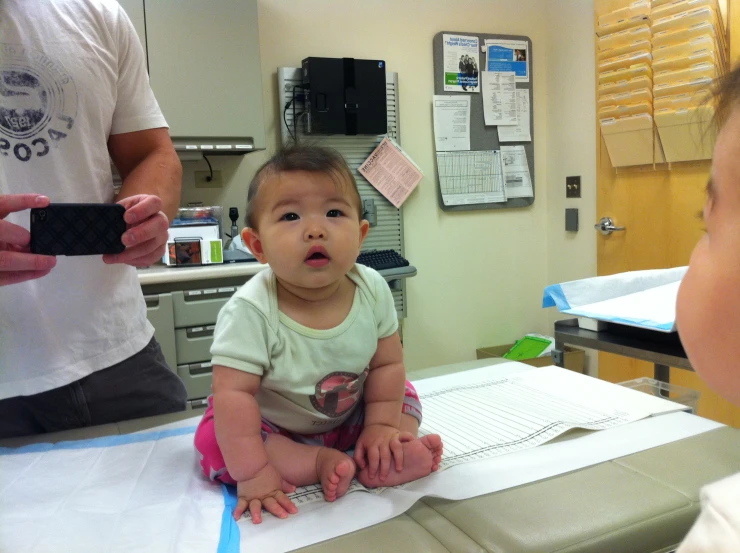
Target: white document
519, 132
451, 123
499, 98
461, 69
518, 411
391, 172
516, 172
471, 177
508, 55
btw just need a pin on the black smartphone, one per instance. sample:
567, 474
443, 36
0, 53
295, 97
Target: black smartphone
77, 229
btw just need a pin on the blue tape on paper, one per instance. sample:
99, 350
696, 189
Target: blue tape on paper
554, 296
105, 441
229, 540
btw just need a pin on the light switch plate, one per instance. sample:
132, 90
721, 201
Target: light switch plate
572, 187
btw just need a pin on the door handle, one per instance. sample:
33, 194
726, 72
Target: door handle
606, 226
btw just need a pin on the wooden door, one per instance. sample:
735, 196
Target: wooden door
659, 208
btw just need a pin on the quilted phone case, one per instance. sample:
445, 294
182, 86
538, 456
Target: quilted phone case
77, 229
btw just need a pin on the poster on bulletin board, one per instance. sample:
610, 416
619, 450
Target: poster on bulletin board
460, 63
508, 55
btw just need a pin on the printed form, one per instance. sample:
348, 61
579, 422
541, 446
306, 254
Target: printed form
516, 172
391, 172
471, 177
519, 132
480, 417
499, 98
451, 123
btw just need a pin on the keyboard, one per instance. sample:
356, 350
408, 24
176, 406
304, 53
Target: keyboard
382, 259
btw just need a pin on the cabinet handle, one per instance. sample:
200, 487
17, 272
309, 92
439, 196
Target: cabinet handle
152, 300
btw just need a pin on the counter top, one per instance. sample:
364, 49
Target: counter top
161, 274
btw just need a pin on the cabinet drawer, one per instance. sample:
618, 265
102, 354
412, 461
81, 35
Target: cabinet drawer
159, 313
194, 344
197, 379
199, 307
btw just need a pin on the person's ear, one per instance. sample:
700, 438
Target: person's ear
364, 228
252, 240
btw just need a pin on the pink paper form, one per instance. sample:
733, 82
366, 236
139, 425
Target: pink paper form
391, 172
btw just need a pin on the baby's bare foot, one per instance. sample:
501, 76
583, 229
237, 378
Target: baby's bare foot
335, 471
434, 443
421, 457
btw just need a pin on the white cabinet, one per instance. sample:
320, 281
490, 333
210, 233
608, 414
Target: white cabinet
204, 65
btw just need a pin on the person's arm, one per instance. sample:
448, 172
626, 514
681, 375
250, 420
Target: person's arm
383, 396
385, 384
237, 421
152, 180
238, 425
17, 264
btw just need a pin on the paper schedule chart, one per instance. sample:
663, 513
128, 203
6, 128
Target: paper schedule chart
480, 421
480, 417
471, 177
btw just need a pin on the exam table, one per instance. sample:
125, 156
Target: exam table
645, 502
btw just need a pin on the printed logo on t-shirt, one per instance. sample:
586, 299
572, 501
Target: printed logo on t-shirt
38, 102
338, 392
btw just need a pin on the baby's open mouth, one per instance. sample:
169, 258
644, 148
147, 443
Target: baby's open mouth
317, 255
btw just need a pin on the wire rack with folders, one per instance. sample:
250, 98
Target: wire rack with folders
382, 260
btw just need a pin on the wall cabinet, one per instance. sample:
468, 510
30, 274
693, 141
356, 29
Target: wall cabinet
204, 65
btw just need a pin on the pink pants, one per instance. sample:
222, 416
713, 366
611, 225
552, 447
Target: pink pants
342, 438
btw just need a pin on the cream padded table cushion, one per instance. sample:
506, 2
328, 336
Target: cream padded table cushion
644, 502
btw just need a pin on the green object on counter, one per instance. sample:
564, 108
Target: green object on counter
217, 255
527, 348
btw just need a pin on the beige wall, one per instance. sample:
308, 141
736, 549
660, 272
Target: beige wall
571, 149
481, 274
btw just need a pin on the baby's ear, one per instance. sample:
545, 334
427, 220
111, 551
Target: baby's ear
252, 240
364, 228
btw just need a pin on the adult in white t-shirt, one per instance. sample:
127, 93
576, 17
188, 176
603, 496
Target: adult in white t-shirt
75, 344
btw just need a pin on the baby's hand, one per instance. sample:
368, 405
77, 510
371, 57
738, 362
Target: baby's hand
378, 442
267, 490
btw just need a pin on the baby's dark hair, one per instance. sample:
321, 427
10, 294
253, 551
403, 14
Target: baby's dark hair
726, 93
297, 157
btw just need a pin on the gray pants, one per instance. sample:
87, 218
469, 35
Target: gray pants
140, 386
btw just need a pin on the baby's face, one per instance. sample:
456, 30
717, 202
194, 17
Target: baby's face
308, 227
708, 307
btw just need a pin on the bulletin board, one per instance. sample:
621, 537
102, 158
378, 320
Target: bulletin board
482, 137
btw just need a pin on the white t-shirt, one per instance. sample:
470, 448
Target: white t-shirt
72, 72
717, 530
312, 380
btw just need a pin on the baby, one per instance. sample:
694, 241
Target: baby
307, 360
708, 313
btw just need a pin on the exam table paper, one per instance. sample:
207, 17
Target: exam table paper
143, 492
644, 299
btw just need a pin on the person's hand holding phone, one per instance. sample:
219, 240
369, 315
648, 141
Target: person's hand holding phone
146, 236
17, 264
